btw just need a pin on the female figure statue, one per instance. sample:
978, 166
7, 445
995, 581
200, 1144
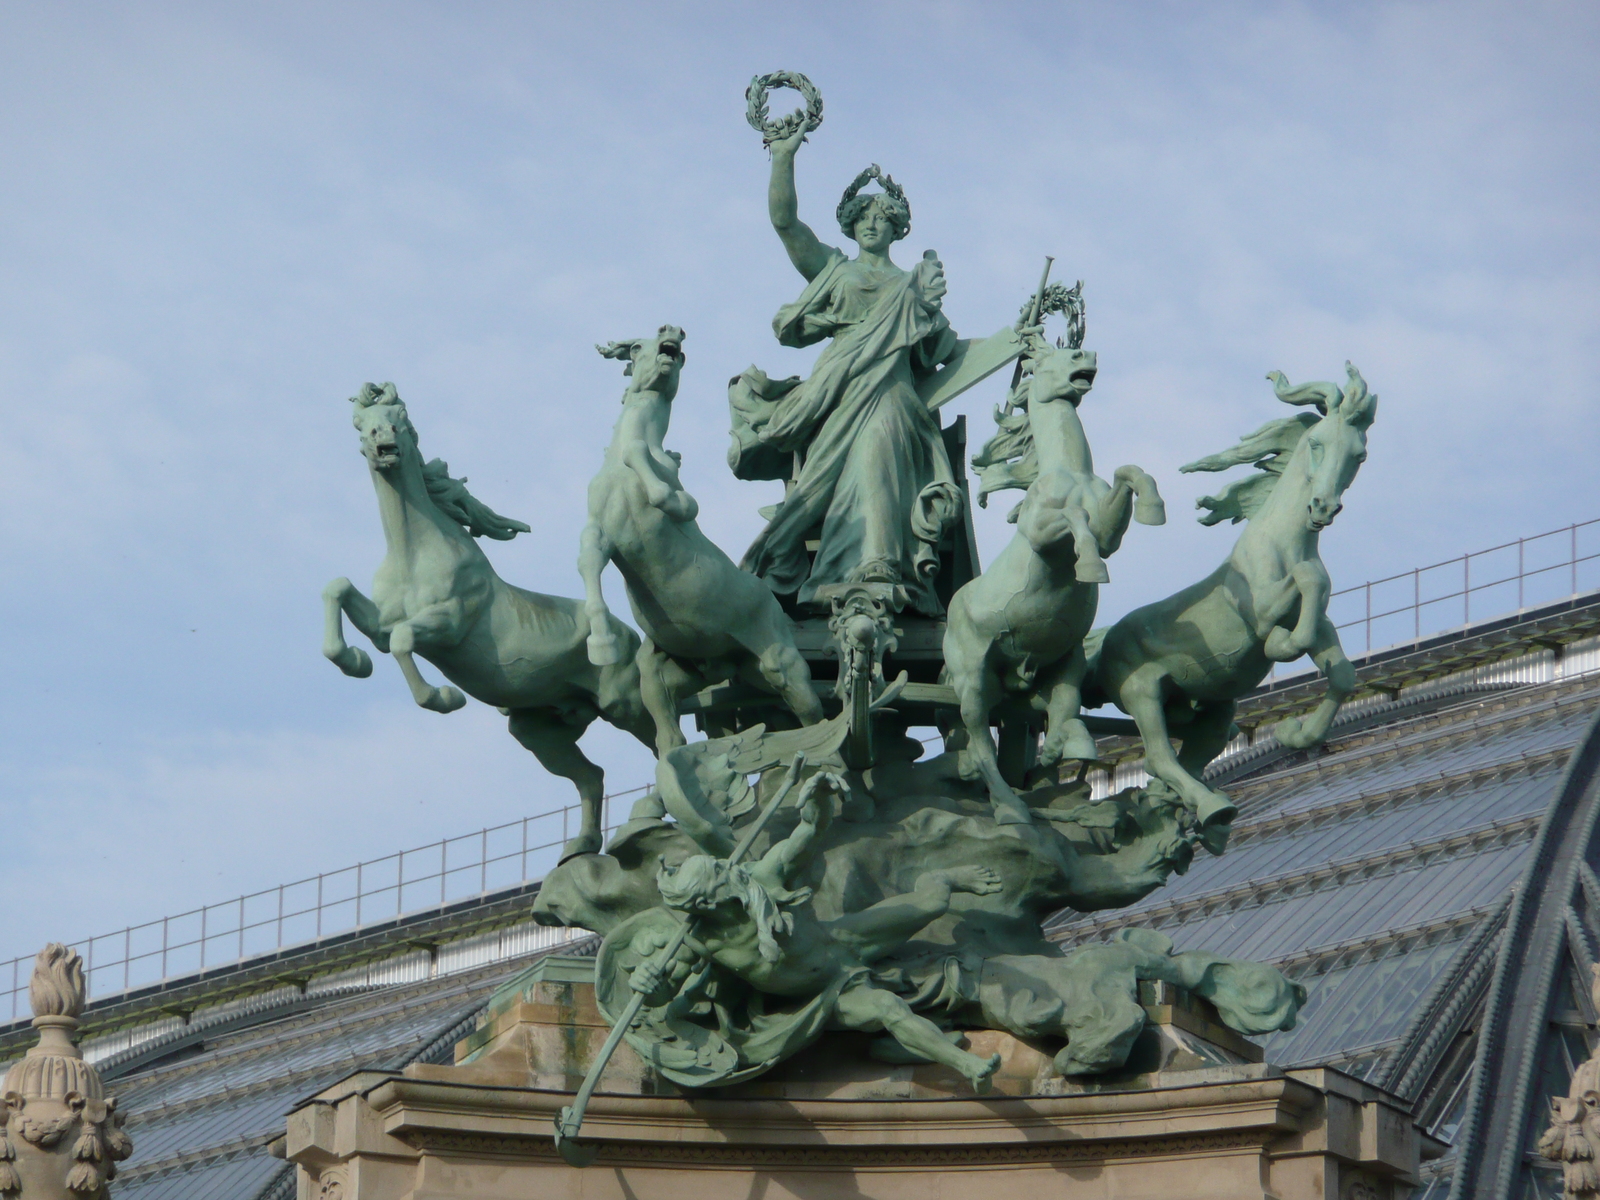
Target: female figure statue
872, 482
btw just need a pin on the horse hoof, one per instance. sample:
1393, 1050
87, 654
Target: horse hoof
604, 650
1153, 513
353, 661
445, 700
582, 844
1095, 573
1012, 814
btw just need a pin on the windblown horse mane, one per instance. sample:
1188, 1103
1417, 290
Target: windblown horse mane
449, 494
1269, 448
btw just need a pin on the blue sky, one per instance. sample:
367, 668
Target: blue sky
217, 221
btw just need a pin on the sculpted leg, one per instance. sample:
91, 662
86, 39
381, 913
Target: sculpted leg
440, 623
657, 676
594, 551
786, 672
340, 597
891, 923
1309, 580
868, 1008
554, 742
1091, 567
1140, 697
1328, 654
1066, 736
978, 690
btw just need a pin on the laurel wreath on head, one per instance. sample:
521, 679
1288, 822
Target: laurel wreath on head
807, 118
890, 188
1068, 301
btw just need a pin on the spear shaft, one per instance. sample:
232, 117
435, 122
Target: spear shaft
1033, 319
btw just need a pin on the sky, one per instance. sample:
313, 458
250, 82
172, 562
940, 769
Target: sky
218, 220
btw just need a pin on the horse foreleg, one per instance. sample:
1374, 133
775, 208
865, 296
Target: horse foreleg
442, 621
1141, 698
1066, 736
594, 552
554, 742
977, 688
1309, 578
1091, 568
1300, 733
340, 597
659, 681
1133, 496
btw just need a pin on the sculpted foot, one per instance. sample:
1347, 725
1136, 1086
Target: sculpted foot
983, 1076
444, 700
353, 661
980, 881
1073, 744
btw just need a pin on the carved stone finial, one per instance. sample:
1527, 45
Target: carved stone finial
57, 988
60, 1135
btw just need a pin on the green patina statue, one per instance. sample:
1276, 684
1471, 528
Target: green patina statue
704, 620
1178, 665
872, 478
436, 594
1019, 627
805, 868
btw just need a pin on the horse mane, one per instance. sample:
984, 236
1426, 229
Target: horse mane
1009, 459
451, 497
1269, 448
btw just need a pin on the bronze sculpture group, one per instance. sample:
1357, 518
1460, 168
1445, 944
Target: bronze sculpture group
804, 867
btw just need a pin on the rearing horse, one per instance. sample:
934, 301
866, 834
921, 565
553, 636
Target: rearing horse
1180, 664
436, 594
1019, 626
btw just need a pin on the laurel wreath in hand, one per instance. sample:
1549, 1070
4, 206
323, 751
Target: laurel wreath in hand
1068, 301
807, 118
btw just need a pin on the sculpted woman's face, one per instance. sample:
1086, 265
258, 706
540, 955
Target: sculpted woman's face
874, 230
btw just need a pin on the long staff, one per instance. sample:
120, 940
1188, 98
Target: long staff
1033, 319
570, 1120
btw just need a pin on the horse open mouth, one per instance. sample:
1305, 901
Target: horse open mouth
385, 454
1082, 380
672, 350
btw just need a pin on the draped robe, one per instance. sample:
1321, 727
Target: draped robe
874, 474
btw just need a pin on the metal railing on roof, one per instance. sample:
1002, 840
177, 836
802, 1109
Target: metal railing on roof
318, 906
1544, 567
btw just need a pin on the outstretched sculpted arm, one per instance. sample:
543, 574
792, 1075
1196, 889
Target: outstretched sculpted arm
778, 864
807, 253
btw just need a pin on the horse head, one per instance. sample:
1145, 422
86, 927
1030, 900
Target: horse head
1336, 446
1062, 373
654, 364
380, 417
1319, 454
